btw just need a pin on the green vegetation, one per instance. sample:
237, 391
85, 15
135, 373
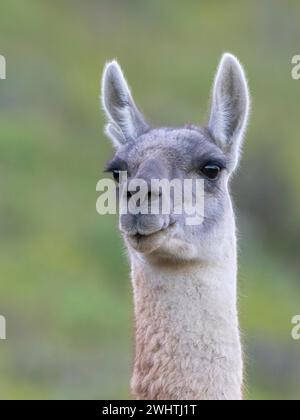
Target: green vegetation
64, 284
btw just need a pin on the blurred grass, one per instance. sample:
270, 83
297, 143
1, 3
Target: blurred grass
64, 286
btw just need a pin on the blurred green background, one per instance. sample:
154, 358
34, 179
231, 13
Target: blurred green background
64, 277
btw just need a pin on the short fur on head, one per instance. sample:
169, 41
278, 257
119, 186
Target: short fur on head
150, 153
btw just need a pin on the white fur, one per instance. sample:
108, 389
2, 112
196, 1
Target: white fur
114, 134
125, 121
187, 334
230, 106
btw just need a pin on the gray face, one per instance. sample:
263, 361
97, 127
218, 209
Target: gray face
210, 154
173, 154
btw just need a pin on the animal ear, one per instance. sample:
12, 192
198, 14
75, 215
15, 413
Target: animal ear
230, 107
125, 121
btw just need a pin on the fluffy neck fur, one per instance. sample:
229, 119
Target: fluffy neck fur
187, 334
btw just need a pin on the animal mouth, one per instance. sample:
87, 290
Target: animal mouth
150, 242
144, 236
141, 237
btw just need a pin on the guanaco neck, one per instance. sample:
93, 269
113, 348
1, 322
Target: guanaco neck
187, 335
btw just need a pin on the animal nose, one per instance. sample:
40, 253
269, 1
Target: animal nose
148, 191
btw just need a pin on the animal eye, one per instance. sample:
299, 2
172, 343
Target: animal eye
116, 168
211, 171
